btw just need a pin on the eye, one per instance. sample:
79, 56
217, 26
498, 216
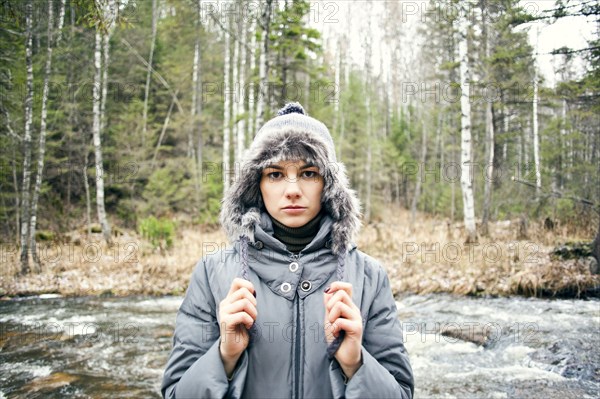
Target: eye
309, 174
274, 175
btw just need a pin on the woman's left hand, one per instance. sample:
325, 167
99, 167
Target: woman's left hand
342, 314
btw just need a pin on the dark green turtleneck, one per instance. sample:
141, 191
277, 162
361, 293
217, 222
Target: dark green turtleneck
296, 238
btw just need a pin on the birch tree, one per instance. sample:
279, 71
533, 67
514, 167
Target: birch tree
42, 142
536, 140
226, 112
251, 88
465, 121
489, 130
99, 100
235, 64
336, 100
25, 203
263, 68
149, 70
367, 47
241, 128
196, 107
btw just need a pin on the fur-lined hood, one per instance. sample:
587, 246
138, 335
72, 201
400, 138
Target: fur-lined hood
291, 135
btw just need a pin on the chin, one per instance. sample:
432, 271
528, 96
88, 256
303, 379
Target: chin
293, 222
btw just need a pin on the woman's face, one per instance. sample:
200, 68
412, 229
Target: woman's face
291, 191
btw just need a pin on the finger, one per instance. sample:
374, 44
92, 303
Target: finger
342, 310
341, 285
331, 331
238, 283
242, 305
351, 327
241, 293
235, 319
340, 296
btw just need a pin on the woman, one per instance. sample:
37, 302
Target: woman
294, 309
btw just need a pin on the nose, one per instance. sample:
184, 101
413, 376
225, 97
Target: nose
292, 189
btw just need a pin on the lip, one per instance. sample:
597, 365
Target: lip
294, 209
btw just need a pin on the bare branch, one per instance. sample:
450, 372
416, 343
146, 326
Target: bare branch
558, 194
158, 75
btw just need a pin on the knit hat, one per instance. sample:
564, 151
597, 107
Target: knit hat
292, 135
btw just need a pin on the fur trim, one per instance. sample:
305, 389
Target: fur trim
243, 203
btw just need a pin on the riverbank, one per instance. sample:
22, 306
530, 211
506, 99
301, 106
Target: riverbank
430, 258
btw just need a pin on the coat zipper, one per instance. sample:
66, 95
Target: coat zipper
297, 346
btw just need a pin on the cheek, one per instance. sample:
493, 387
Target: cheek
264, 193
268, 192
318, 194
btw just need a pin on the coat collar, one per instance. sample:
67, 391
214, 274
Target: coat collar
274, 264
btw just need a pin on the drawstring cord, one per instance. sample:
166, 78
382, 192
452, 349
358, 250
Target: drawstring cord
337, 341
244, 253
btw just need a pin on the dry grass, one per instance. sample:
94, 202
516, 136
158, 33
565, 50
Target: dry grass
87, 266
430, 258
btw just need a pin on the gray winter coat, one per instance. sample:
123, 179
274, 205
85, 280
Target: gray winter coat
287, 356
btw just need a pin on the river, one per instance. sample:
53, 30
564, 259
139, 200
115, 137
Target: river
53, 347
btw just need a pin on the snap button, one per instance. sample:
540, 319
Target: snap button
286, 287
306, 285
258, 245
294, 267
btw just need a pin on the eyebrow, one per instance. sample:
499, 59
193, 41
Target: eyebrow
277, 167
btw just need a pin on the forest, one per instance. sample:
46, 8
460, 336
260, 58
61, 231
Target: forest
468, 129
123, 121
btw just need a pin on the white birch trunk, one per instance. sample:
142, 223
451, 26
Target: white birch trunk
505, 144
563, 140
489, 146
262, 89
536, 140
520, 158
17, 199
194, 121
61, 22
251, 87
527, 144
336, 99
389, 89
263, 69
27, 139
489, 165
226, 115
368, 163
104, 79
239, 65
466, 143
42, 142
86, 185
453, 184
97, 141
346, 65
198, 124
241, 102
149, 71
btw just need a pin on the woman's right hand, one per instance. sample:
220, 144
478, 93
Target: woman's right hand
237, 313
